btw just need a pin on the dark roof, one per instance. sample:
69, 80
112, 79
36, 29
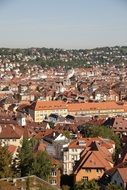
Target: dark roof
109, 122
53, 115
70, 117
51, 137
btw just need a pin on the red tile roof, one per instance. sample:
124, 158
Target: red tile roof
87, 141
94, 106
10, 131
48, 105
73, 107
94, 157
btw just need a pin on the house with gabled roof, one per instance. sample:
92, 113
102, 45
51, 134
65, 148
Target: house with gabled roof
117, 175
93, 162
120, 177
10, 134
72, 151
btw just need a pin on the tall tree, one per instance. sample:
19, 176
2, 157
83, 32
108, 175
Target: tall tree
31, 163
5, 163
42, 165
25, 158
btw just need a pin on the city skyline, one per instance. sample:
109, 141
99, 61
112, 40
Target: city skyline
61, 24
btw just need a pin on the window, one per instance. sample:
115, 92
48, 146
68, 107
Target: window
85, 178
65, 157
53, 173
72, 157
99, 170
65, 166
53, 182
88, 170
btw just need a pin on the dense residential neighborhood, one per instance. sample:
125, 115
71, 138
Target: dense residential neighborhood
63, 118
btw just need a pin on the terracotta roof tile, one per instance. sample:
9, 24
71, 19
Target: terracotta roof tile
10, 131
73, 107
93, 157
94, 106
39, 105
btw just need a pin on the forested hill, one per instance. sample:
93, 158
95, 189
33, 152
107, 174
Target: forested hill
60, 57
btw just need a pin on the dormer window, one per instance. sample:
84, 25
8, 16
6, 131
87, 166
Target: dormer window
81, 143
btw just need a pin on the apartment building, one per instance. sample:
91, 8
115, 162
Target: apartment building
40, 109
96, 108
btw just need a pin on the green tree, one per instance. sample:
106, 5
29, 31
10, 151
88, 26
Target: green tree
67, 134
31, 163
102, 131
25, 157
112, 186
5, 163
87, 185
41, 166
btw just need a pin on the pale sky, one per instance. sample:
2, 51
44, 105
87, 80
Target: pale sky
69, 24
